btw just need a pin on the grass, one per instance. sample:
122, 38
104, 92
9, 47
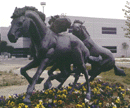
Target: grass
111, 77
10, 78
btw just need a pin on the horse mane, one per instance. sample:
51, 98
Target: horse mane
52, 19
21, 11
78, 21
83, 27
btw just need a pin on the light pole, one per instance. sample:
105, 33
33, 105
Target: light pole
43, 4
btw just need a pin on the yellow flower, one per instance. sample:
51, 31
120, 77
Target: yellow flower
21, 104
98, 92
26, 106
100, 104
8, 102
123, 95
110, 88
10, 97
60, 102
117, 100
46, 92
76, 92
84, 89
59, 91
99, 85
50, 91
63, 96
58, 96
65, 91
12, 103
23, 97
107, 87
55, 101
83, 104
69, 87
38, 106
40, 102
123, 90
53, 94
79, 106
54, 89
114, 106
120, 88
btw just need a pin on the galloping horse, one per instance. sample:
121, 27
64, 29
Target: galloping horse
107, 62
50, 48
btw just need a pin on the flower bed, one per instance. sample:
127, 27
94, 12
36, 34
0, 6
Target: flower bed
104, 95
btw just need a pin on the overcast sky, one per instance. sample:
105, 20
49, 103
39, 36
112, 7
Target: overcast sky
88, 8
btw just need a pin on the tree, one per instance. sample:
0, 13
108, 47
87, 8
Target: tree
9, 49
5, 48
3, 45
127, 16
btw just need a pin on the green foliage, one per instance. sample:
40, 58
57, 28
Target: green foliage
127, 16
5, 48
111, 77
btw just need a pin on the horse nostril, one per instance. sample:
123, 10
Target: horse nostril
11, 38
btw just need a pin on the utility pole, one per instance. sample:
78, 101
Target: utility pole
43, 4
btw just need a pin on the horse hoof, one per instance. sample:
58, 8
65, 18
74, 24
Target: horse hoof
120, 74
40, 80
27, 102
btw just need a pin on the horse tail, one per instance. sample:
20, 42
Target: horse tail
118, 71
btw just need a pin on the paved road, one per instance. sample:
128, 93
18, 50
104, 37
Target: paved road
15, 65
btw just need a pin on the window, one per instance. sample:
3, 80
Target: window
113, 49
108, 30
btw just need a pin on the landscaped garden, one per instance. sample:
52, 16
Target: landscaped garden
109, 91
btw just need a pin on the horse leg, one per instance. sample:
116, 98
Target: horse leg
79, 61
44, 63
31, 65
74, 84
118, 71
85, 72
65, 73
55, 66
93, 59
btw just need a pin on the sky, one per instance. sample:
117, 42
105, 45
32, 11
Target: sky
86, 8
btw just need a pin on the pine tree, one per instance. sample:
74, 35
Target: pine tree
127, 16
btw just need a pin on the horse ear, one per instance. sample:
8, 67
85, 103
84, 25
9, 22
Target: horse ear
16, 8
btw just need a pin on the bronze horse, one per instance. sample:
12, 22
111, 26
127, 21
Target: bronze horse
50, 48
107, 62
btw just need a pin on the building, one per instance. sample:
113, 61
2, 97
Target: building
105, 32
21, 47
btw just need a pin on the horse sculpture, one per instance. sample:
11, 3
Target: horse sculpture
50, 48
107, 62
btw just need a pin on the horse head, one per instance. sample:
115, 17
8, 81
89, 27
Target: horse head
20, 24
79, 30
16, 31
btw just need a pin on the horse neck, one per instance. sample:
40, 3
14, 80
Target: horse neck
85, 35
37, 28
